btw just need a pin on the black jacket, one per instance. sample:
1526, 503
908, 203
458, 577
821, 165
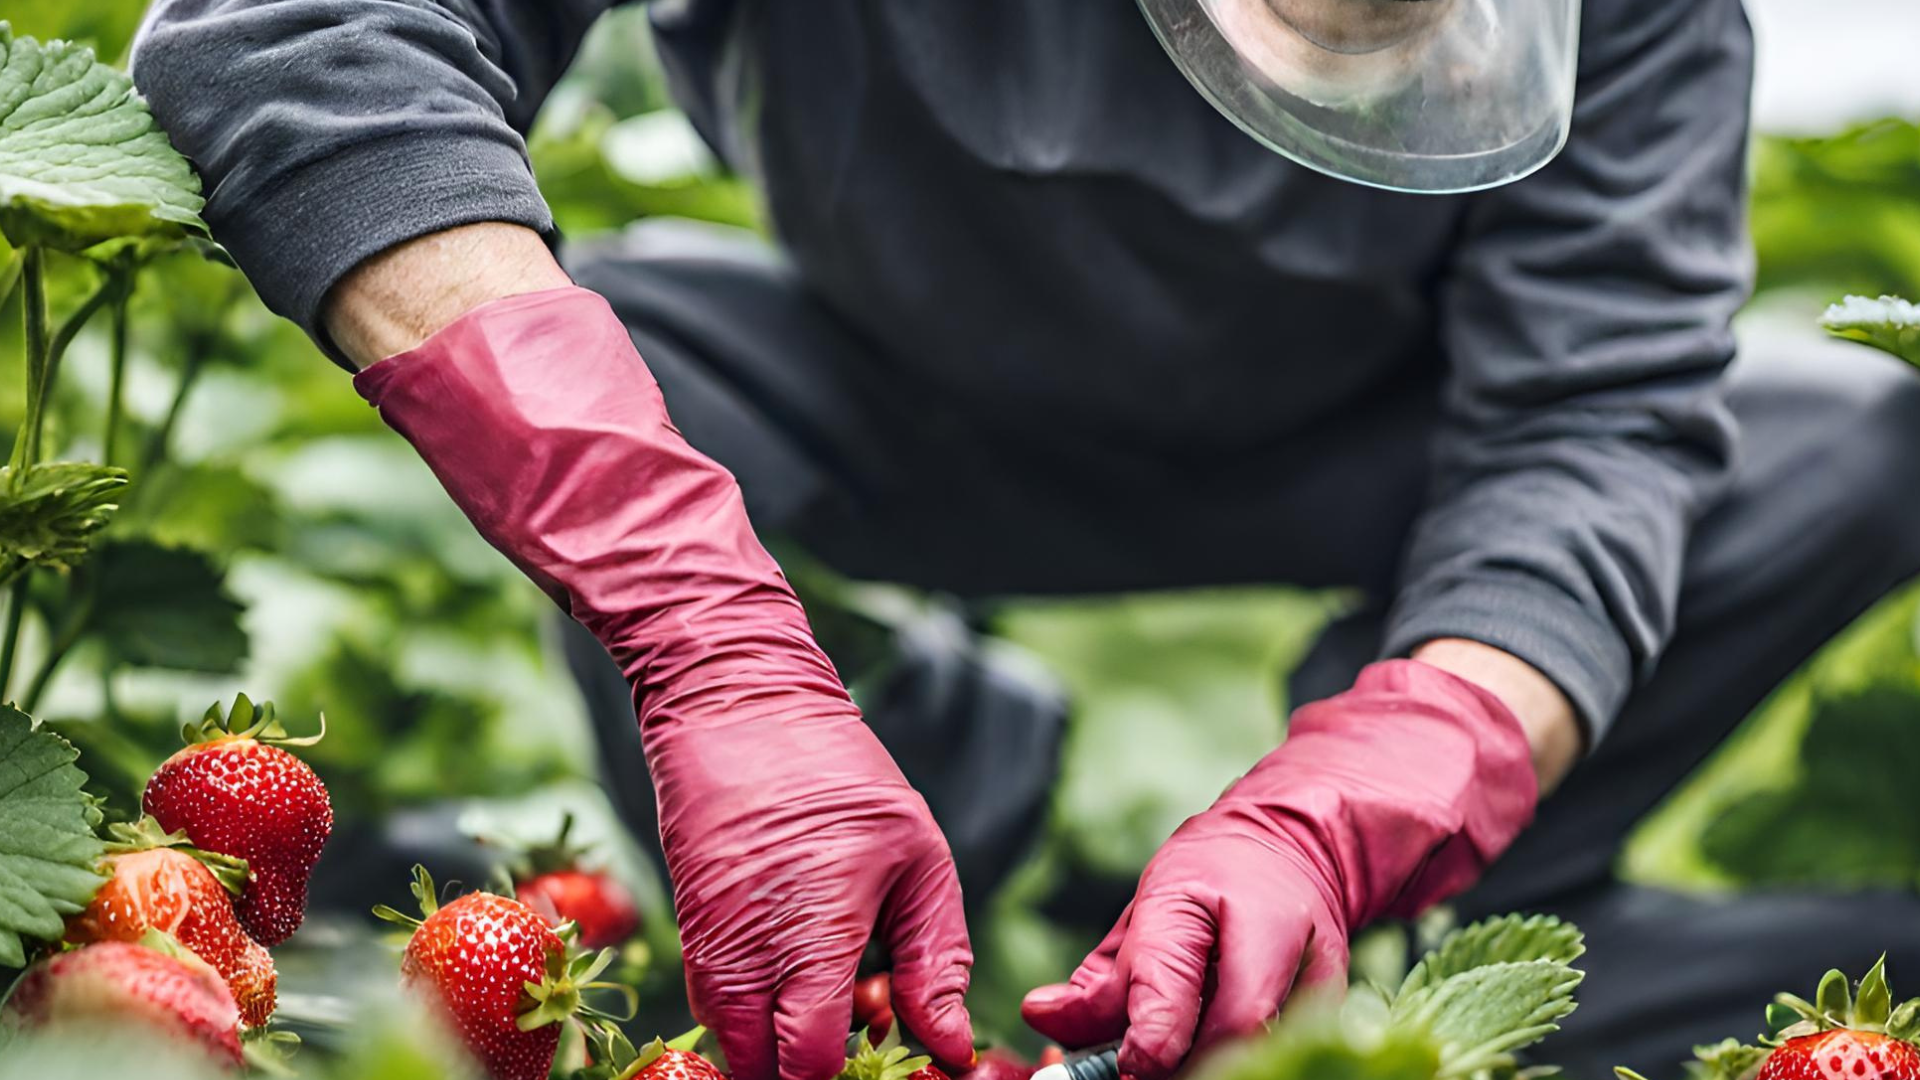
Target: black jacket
1027, 208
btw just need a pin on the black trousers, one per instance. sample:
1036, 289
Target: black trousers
878, 481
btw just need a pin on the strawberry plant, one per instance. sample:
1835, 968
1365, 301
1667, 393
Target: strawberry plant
1888, 323
499, 976
559, 880
48, 847
1840, 1035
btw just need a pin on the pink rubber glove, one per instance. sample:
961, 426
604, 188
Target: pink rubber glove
789, 832
1383, 800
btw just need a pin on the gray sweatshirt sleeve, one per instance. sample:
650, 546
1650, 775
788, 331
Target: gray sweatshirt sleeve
1586, 317
329, 130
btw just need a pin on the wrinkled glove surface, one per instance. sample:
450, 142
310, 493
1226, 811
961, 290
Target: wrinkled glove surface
790, 835
1382, 801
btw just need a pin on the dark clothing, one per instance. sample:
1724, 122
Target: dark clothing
1818, 522
1021, 211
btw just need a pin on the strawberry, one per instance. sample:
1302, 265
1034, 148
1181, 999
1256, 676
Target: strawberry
1840, 1035
498, 974
600, 906
116, 983
166, 888
554, 880
235, 791
616, 1059
1842, 1054
873, 1004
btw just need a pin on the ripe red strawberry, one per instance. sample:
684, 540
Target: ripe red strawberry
116, 983
498, 974
235, 791
873, 1005
169, 890
600, 906
1839, 1035
679, 1065
1842, 1054
555, 880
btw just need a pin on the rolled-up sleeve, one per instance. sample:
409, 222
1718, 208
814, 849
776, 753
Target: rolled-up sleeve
1586, 319
329, 130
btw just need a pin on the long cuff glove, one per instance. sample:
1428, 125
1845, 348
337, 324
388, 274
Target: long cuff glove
789, 832
1382, 801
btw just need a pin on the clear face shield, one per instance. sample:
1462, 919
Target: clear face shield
1412, 95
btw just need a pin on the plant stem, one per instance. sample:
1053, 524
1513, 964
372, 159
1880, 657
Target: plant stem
157, 445
116, 386
10, 274
26, 444
70, 329
16, 609
80, 608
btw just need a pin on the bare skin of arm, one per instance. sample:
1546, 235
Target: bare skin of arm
400, 297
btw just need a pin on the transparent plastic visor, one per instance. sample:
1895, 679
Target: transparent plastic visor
1428, 96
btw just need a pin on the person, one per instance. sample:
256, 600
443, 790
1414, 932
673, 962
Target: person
1045, 313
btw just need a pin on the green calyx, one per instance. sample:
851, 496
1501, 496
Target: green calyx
245, 720
554, 856
1838, 1004
268, 1052
615, 1057
146, 835
562, 994
888, 1060
424, 893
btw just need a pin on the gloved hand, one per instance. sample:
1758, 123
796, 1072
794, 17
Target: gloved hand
789, 833
1383, 800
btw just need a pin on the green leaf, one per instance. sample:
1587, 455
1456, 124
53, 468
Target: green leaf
81, 160
1874, 1004
1838, 214
1481, 1016
166, 607
47, 844
1849, 814
1505, 939
1312, 1047
1833, 997
1729, 1059
208, 507
49, 518
1888, 323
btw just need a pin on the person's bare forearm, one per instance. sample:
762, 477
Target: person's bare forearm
400, 297
1543, 711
